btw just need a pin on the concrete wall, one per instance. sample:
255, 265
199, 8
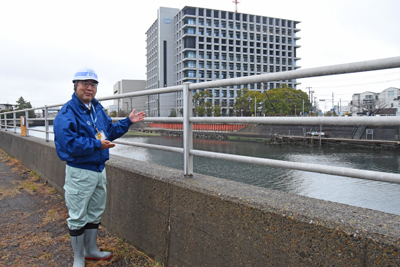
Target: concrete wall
379, 133
205, 221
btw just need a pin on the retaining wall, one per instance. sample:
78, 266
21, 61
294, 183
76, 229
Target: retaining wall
205, 221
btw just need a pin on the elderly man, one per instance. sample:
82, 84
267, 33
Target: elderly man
83, 134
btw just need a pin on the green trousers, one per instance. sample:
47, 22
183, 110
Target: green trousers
85, 196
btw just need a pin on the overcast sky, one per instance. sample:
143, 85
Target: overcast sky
42, 43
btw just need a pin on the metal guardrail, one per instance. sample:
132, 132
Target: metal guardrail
187, 120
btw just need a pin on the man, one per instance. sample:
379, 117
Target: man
83, 134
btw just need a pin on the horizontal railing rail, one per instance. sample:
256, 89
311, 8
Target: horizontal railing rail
187, 120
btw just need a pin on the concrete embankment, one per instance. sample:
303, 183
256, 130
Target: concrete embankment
353, 136
206, 221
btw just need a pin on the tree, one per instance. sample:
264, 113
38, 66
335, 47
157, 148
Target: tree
370, 106
22, 104
172, 113
285, 100
282, 100
244, 102
200, 103
216, 110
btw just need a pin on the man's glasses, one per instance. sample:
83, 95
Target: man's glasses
86, 84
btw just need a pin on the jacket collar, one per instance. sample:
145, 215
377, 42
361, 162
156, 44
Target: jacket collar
78, 103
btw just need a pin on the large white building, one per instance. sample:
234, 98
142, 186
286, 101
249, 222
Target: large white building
200, 44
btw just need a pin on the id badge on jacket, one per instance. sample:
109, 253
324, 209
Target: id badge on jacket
101, 135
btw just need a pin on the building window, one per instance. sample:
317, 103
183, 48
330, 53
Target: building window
190, 64
190, 73
391, 94
190, 21
190, 54
190, 30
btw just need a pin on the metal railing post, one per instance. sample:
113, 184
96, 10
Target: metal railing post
46, 123
187, 131
27, 122
15, 121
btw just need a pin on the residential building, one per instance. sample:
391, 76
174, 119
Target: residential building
6, 107
385, 103
129, 103
200, 44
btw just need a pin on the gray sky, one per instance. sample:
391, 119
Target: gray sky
42, 43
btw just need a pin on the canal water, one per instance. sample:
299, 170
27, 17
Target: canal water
357, 192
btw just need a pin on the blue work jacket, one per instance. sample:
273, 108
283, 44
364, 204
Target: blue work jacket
75, 134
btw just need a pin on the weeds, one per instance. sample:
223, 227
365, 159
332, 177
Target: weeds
49, 242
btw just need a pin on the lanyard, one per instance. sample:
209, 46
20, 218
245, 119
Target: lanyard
94, 120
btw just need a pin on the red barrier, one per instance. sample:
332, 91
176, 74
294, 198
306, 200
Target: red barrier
201, 127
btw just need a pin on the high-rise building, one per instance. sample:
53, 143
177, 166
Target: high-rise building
200, 44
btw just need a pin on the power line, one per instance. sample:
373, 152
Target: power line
359, 84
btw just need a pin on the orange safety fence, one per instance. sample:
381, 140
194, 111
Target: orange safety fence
201, 127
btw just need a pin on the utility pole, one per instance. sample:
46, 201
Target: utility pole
255, 107
264, 97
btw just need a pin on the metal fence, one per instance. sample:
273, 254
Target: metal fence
188, 120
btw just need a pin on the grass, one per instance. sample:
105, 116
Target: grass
238, 138
137, 133
43, 247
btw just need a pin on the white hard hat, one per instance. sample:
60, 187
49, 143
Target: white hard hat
85, 73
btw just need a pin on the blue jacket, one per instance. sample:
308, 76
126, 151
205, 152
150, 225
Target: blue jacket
74, 134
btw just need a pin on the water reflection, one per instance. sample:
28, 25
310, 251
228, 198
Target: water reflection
357, 192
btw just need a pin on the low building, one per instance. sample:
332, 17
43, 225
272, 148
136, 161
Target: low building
6, 107
125, 105
369, 103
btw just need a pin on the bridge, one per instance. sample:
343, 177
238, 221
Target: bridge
188, 219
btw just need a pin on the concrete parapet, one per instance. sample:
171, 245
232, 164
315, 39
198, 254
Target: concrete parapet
206, 221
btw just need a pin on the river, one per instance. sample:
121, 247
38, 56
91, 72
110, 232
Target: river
357, 192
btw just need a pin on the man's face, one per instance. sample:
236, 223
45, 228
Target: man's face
86, 90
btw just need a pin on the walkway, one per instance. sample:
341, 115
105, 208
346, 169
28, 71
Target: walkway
33, 228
